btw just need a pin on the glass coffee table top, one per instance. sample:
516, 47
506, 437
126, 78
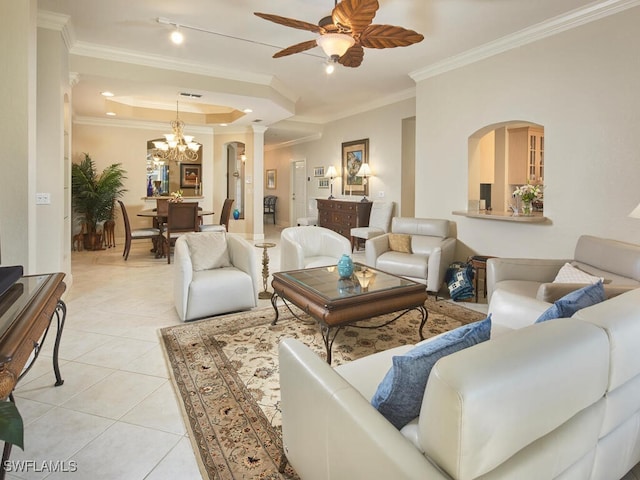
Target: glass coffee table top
326, 282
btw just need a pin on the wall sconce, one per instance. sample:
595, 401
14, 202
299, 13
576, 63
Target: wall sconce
331, 174
364, 172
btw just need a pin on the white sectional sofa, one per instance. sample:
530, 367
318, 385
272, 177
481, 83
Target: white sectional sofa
554, 400
520, 289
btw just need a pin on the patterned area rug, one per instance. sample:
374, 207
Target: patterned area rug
225, 370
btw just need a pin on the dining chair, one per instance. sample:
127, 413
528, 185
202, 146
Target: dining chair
270, 206
182, 218
137, 234
225, 215
379, 223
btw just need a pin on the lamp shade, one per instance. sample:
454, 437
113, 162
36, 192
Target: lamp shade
331, 172
636, 212
335, 44
364, 171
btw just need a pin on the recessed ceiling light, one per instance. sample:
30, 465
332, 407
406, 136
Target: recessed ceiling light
223, 124
247, 110
106, 94
176, 36
111, 114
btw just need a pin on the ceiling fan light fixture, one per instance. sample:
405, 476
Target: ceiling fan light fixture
335, 44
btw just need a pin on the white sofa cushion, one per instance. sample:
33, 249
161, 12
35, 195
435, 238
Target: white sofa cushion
208, 250
481, 408
399, 395
570, 274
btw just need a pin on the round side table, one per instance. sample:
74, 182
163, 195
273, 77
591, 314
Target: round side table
265, 294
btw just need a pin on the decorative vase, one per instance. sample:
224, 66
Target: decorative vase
526, 208
236, 214
149, 188
345, 266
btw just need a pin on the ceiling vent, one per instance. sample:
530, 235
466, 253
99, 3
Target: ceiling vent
257, 120
190, 95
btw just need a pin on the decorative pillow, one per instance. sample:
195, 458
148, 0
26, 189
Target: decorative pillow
570, 274
566, 306
399, 242
399, 395
208, 250
582, 269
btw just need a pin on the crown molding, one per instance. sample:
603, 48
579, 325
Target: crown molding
364, 107
137, 124
553, 26
102, 52
59, 22
291, 143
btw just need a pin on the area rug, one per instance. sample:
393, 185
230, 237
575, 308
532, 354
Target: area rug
225, 370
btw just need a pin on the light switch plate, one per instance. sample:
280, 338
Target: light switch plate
43, 198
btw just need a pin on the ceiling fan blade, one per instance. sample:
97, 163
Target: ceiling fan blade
290, 22
388, 36
355, 14
352, 57
297, 48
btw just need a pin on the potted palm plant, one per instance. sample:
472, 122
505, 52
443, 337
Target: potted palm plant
93, 196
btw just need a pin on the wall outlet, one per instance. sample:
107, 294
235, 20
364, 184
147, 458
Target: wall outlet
381, 194
43, 198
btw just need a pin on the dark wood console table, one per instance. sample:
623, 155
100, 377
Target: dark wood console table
26, 312
343, 215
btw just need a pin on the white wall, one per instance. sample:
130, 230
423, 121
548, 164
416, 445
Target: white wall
582, 86
383, 128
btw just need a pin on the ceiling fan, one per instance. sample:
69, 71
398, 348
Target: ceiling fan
346, 31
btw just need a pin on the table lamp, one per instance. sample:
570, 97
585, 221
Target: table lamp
331, 174
364, 172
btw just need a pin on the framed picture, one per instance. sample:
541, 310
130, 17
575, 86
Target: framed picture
318, 171
323, 183
271, 179
354, 154
190, 175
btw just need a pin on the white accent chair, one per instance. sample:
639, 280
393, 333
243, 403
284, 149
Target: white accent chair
379, 223
312, 212
230, 285
432, 251
307, 247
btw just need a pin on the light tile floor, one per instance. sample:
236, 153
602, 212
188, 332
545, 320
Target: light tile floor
117, 415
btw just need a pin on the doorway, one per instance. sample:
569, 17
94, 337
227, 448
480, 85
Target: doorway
298, 204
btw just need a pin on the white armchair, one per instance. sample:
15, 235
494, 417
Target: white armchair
306, 247
425, 259
215, 273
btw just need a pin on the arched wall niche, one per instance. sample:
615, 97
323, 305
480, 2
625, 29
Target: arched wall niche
236, 160
503, 156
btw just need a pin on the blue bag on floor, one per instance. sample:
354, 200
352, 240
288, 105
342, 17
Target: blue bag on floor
459, 279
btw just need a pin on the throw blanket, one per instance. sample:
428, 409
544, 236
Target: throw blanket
459, 279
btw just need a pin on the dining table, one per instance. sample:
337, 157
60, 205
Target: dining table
158, 222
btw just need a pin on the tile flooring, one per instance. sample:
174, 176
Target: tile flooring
116, 416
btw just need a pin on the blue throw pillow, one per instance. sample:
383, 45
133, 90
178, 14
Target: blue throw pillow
399, 395
566, 306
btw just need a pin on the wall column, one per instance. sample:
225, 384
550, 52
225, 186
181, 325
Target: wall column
18, 134
258, 181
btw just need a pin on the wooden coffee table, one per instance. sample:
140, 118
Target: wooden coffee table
335, 303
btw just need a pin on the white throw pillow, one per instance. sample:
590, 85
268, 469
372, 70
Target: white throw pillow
570, 274
208, 250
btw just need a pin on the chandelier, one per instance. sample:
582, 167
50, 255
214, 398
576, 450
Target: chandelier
176, 147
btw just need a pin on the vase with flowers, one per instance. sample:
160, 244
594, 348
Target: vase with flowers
176, 197
528, 194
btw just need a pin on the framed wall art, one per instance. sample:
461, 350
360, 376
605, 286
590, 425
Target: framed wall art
323, 183
354, 154
318, 171
190, 175
271, 179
